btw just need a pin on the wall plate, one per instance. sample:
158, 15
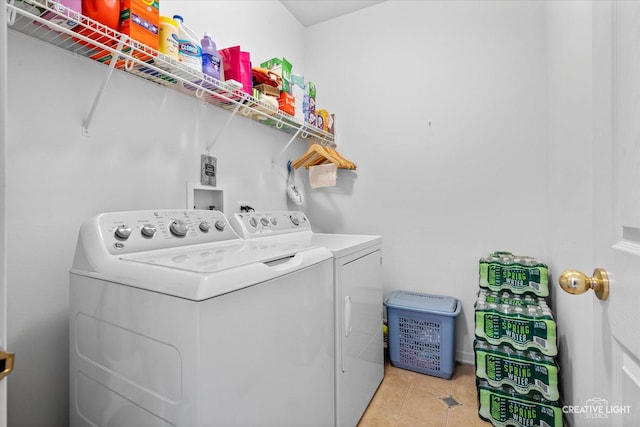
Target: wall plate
208, 170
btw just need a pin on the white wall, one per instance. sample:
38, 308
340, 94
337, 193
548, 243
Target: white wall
442, 105
570, 159
144, 145
266, 29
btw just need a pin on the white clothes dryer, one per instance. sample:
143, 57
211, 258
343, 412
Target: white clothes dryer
176, 321
358, 299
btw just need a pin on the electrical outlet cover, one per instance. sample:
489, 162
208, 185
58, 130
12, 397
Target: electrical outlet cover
208, 170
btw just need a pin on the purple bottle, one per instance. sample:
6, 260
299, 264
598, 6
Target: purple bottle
210, 57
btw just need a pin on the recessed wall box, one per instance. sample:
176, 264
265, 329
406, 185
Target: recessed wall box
204, 197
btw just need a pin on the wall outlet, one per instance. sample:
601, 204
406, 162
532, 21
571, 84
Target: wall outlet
242, 204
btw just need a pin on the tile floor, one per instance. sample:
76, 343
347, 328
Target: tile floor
411, 399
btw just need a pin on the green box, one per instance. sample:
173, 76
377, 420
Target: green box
525, 372
502, 271
524, 323
503, 407
310, 89
281, 67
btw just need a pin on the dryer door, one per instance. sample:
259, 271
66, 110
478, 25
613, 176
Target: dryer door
359, 334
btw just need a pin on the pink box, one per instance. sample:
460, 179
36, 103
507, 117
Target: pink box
67, 13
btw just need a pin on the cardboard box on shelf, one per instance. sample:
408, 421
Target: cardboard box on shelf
267, 90
281, 67
310, 118
140, 20
321, 119
310, 89
286, 103
297, 90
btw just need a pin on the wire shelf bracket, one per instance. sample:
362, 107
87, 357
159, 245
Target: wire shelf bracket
223, 128
86, 123
276, 159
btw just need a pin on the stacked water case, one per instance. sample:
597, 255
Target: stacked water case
516, 344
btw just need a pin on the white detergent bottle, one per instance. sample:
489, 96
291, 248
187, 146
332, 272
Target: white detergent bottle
189, 49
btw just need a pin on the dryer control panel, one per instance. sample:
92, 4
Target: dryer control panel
137, 231
260, 224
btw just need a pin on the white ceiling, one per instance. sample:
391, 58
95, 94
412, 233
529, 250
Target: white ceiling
310, 12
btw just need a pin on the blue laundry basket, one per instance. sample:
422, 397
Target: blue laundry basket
422, 332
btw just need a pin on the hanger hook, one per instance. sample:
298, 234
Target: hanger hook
11, 16
128, 65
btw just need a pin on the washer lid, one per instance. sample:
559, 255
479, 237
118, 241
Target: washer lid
202, 272
215, 257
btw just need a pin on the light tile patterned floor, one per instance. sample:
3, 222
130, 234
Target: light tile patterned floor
411, 399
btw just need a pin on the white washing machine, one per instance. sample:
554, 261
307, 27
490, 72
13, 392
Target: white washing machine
176, 321
358, 297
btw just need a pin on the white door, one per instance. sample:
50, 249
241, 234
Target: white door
616, 198
3, 122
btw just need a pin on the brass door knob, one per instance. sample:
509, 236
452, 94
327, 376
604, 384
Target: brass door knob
6, 363
575, 282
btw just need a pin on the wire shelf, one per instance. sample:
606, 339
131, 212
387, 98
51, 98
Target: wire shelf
85, 37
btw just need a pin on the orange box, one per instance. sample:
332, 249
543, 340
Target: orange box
286, 103
140, 20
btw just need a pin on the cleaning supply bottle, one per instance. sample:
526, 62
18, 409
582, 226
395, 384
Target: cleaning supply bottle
168, 37
189, 49
210, 57
106, 12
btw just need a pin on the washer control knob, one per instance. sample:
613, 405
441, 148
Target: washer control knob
220, 224
253, 222
178, 228
122, 232
265, 221
204, 226
148, 230
274, 221
294, 220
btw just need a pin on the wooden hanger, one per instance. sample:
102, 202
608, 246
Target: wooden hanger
318, 155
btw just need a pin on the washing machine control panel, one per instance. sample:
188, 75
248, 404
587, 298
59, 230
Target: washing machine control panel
260, 224
136, 231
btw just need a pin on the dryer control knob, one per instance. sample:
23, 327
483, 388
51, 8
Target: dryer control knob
178, 228
204, 226
274, 221
294, 220
253, 222
122, 232
220, 225
148, 230
265, 221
